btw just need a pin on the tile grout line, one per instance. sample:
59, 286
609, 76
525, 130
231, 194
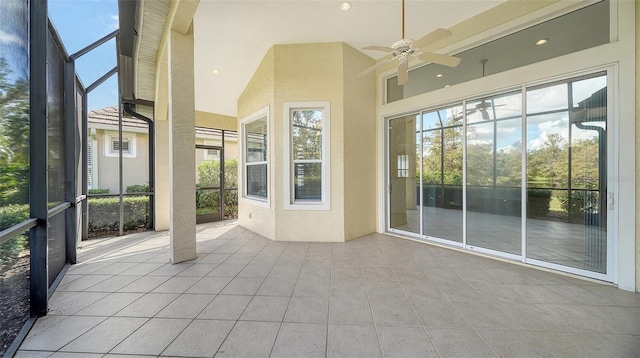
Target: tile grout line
252, 296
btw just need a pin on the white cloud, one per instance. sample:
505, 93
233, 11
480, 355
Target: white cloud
7, 38
115, 24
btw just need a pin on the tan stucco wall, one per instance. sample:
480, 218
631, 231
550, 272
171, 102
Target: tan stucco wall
637, 179
214, 120
162, 209
359, 145
313, 73
310, 72
258, 94
134, 170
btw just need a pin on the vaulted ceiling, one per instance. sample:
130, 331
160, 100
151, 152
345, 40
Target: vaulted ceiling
233, 36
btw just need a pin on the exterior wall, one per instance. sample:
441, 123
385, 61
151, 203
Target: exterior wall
359, 145
615, 55
134, 169
231, 150
310, 72
258, 94
637, 181
214, 120
313, 73
163, 207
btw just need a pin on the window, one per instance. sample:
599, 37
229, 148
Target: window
112, 145
212, 154
255, 129
403, 166
307, 154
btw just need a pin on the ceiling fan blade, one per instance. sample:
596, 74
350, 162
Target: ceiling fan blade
403, 73
432, 37
379, 64
445, 60
378, 48
485, 114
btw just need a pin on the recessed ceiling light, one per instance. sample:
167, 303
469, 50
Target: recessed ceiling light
447, 86
542, 41
439, 75
345, 5
215, 71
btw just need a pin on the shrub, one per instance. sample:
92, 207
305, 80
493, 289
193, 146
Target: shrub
538, 201
99, 191
11, 215
104, 213
582, 203
138, 188
14, 184
208, 172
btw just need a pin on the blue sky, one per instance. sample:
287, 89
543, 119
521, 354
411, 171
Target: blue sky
79, 24
14, 34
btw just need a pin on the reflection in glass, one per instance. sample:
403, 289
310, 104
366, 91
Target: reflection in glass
14, 165
307, 134
307, 181
256, 157
494, 172
257, 180
256, 139
442, 173
566, 174
508, 51
404, 181
307, 151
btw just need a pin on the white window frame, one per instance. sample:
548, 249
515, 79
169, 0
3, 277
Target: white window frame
289, 201
245, 197
109, 137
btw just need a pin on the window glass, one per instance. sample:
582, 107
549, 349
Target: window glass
256, 164
308, 181
307, 152
307, 134
256, 139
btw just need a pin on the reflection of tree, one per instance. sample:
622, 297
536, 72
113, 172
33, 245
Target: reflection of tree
307, 153
585, 164
307, 134
442, 156
509, 165
547, 166
14, 138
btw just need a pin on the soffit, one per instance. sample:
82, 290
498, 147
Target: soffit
152, 20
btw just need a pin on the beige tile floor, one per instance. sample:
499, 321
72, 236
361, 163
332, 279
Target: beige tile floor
376, 296
572, 245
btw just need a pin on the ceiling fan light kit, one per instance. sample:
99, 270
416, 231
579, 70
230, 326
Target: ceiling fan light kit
402, 51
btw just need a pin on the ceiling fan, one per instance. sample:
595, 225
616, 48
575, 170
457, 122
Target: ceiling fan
403, 49
483, 106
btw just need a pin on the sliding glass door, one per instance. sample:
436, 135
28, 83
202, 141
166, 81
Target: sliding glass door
494, 172
403, 154
567, 173
442, 173
455, 174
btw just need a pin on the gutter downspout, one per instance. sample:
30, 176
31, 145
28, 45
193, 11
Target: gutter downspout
127, 105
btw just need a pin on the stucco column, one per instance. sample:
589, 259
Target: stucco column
181, 147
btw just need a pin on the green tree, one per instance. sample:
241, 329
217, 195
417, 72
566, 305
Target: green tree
14, 138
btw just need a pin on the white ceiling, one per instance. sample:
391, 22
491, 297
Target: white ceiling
233, 36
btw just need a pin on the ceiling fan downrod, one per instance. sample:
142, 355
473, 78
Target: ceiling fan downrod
403, 19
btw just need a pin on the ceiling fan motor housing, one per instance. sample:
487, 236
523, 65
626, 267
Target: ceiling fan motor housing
404, 46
